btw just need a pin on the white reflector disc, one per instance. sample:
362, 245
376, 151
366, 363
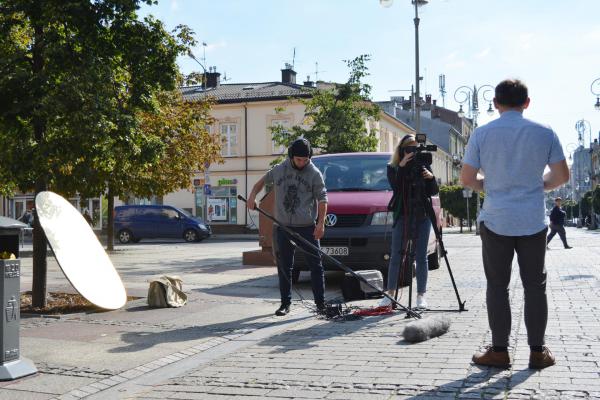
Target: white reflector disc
79, 253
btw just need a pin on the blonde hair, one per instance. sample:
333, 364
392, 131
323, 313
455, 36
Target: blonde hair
403, 143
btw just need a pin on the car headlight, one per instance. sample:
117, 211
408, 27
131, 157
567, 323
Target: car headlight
203, 227
383, 218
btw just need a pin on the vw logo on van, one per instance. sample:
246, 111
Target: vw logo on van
330, 220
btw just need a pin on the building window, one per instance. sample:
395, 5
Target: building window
285, 126
229, 140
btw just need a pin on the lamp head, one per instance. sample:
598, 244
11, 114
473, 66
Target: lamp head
490, 111
597, 105
386, 3
461, 113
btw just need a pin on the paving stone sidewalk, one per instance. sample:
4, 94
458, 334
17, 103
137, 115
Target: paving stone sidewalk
258, 356
367, 359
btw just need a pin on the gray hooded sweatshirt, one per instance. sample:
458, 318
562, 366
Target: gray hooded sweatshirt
297, 193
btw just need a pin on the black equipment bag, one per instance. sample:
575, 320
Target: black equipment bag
354, 289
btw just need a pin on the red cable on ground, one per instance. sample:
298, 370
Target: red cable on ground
374, 311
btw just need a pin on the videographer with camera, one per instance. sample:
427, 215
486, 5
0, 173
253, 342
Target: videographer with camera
513, 153
411, 180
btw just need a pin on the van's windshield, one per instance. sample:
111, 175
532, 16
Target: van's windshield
354, 173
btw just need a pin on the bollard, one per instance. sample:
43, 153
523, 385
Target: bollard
12, 365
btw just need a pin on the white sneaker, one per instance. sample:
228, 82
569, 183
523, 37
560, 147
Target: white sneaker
421, 302
384, 302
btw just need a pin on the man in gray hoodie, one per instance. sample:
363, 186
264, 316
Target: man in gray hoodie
300, 205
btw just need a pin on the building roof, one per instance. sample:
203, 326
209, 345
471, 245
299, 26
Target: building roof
245, 92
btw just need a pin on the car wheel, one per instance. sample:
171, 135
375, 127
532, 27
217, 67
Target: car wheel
125, 236
433, 261
190, 235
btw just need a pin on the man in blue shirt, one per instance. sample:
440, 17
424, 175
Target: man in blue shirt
506, 159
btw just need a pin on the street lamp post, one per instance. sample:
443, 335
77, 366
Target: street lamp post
467, 193
191, 55
416, 3
206, 186
583, 173
471, 97
595, 88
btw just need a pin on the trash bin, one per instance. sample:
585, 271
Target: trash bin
12, 365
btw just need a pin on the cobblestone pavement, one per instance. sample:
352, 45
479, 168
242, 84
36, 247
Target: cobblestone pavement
246, 353
366, 359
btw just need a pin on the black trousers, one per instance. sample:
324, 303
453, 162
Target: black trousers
560, 229
498, 253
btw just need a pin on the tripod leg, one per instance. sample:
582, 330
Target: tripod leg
438, 235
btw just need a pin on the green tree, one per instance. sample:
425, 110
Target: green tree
571, 208
453, 201
180, 127
336, 115
586, 204
74, 76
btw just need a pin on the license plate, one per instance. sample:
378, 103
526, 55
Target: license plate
335, 251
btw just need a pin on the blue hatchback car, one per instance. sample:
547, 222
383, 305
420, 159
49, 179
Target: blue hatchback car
133, 223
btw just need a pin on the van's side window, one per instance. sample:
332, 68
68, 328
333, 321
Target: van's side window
171, 214
126, 212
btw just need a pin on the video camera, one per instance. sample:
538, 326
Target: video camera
422, 151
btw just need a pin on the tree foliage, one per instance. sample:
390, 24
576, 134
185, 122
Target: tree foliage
586, 202
186, 146
335, 117
571, 208
453, 201
78, 80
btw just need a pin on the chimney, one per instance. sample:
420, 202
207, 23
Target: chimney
213, 78
308, 82
288, 75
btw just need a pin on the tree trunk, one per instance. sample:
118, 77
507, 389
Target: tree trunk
461, 225
40, 265
110, 237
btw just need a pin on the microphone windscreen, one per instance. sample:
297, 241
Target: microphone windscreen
426, 328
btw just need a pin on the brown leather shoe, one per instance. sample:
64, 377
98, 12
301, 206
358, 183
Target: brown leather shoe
541, 359
492, 358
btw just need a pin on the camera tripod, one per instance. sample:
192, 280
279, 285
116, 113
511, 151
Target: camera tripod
415, 193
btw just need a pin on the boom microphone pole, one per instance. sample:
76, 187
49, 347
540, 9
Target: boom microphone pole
339, 264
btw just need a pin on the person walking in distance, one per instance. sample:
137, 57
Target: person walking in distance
300, 204
512, 153
557, 223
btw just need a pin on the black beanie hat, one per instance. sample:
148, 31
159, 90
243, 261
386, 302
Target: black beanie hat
300, 148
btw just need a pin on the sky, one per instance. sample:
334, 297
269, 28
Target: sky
552, 45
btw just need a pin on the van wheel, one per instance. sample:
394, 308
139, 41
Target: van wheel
125, 236
190, 235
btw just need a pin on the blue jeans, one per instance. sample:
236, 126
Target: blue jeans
285, 262
423, 229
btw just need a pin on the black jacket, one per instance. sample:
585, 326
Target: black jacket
400, 180
557, 216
